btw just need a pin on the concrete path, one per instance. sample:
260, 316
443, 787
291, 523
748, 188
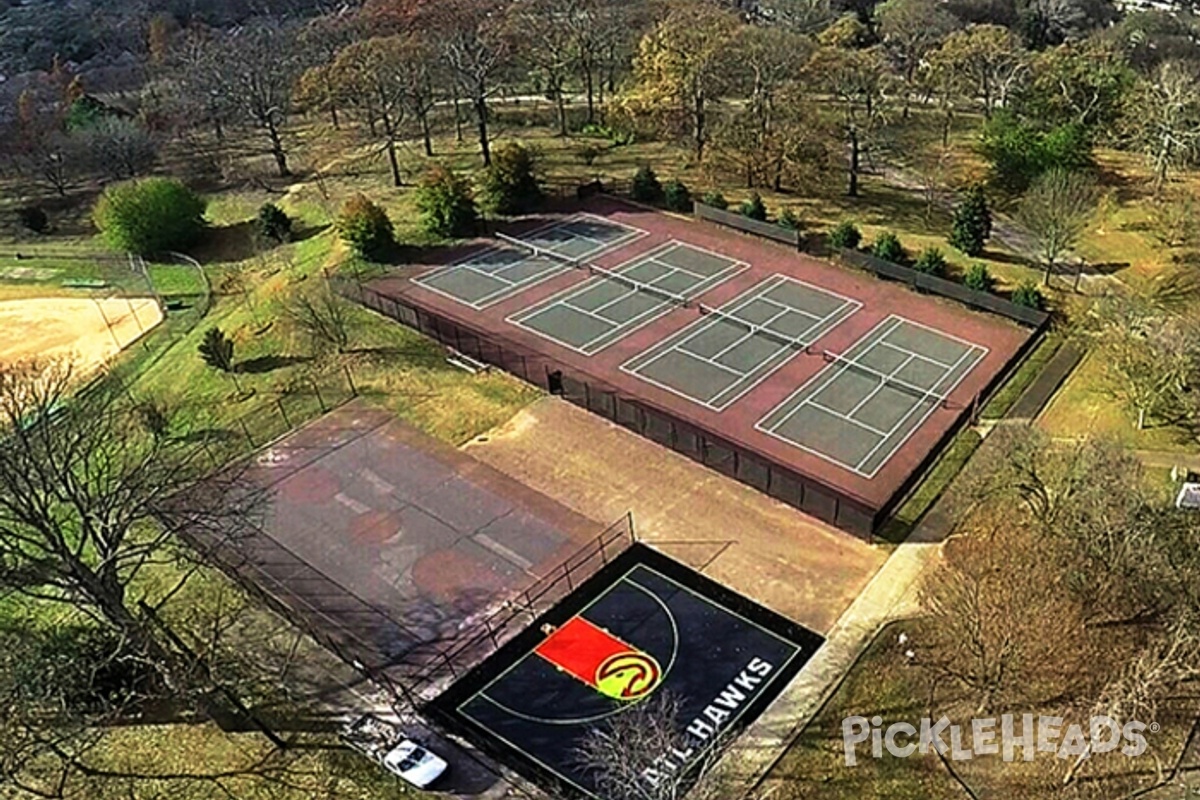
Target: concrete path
891, 594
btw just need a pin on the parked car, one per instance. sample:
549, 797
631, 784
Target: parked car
386, 745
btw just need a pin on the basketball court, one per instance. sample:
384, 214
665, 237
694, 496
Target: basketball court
644, 625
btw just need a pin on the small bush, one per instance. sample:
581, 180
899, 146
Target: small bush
646, 187
588, 154
754, 208
887, 246
273, 223
978, 278
845, 236
617, 137
678, 197
510, 185
366, 228
715, 199
446, 204
149, 216
33, 218
789, 220
1028, 295
931, 262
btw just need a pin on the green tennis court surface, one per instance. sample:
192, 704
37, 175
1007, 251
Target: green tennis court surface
501, 271
614, 303
726, 353
867, 402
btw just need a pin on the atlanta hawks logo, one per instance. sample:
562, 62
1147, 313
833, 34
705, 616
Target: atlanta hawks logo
589, 653
628, 676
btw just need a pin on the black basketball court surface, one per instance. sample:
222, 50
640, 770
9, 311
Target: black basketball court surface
645, 624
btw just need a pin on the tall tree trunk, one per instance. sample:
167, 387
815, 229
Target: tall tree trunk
698, 125
458, 125
560, 98
481, 118
277, 150
426, 134
589, 85
389, 130
852, 190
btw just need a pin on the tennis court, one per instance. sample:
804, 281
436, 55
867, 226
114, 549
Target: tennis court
727, 352
861, 408
822, 386
613, 303
643, 626
498, 272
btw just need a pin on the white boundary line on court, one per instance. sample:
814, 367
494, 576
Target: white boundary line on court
516, 287
970, 347
705, 323
796, 651
518, 318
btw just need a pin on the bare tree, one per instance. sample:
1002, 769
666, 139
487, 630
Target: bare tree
1167, 121
858, 80
1002, 627
255, 70
119, 148
89, 498
1057, 210
911, 29
1148, 353
646, 753
323, 317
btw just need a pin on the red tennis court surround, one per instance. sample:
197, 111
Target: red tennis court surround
643, 362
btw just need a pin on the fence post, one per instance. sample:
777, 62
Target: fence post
350, 380
320, 400
283, 412
246, 431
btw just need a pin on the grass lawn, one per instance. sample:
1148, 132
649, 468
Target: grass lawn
1083, 406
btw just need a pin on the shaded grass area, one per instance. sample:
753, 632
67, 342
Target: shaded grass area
1007, 395
938, 479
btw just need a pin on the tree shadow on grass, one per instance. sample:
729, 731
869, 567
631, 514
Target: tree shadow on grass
264, 364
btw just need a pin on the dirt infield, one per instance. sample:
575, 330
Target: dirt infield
88, 332
790, 562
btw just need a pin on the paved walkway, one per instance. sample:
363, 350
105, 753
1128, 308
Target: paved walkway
890, 595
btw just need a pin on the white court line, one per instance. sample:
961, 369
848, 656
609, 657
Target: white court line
969, 348
520, 317
511, 288
796, 651
921, 421
502, 551
757, 292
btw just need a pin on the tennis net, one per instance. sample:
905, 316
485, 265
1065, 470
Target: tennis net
781, 339
851, 365
595, 269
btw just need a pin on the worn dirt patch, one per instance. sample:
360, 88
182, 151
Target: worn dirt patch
88, 332
770, 552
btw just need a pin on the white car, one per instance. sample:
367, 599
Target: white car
414, 764
383, 743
